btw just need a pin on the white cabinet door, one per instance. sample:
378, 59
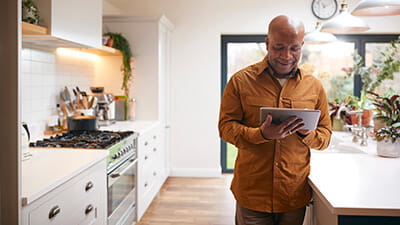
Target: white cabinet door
73, 20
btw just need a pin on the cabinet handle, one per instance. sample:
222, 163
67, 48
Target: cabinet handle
114, 175
88, 209
146, 143
146, 157
154, 137
89, 186
154, 173
146, 184
54, 211
154, 149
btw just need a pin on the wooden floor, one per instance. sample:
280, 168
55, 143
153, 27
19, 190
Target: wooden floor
198, 201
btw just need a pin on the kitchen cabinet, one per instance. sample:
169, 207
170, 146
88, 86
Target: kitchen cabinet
72, 23
78, 200
152, 172
152, 159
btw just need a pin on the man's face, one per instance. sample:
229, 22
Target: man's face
284, 51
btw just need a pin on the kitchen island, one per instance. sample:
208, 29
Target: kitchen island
353, 185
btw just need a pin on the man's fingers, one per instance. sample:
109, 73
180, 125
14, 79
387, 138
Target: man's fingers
268, 120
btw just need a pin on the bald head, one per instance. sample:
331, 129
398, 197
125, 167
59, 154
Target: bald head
284, 43
287, 25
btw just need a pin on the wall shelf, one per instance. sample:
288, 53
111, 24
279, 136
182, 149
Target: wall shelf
39, 36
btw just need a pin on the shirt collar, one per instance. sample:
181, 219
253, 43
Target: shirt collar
264, 66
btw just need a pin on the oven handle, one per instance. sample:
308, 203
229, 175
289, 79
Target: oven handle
122, 169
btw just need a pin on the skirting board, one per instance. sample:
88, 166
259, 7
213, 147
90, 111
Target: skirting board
195, 172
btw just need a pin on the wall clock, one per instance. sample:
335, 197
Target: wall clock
324, 9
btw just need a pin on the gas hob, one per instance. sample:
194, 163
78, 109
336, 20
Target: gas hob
120, 144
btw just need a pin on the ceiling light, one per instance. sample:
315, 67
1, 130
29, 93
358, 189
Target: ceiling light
377, 8
318, 37
344, 23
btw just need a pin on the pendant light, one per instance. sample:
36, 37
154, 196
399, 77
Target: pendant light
377, 8
344, 23
318, 37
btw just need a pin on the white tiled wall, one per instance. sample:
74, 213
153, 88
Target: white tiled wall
44, 75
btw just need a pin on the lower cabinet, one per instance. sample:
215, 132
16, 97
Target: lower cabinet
151, 167
81, 200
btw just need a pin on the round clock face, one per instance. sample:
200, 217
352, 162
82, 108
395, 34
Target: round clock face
324, 9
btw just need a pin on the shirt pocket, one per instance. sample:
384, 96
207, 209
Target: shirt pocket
252, 105
306, 102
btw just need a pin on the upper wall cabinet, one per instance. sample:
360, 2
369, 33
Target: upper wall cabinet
72, 23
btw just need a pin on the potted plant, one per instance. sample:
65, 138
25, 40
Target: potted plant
119, 42
30, 12
388, 137
383, 68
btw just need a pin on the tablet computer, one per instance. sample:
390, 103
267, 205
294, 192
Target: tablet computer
279, 115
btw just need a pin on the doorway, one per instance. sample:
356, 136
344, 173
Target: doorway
237, 52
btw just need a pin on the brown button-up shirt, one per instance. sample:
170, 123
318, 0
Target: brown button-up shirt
271, 176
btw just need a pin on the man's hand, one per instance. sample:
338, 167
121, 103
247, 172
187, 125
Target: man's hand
272, 131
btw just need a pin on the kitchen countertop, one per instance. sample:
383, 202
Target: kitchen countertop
139, 126
49, 168
356, 182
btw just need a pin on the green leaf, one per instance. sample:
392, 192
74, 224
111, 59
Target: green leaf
396, 124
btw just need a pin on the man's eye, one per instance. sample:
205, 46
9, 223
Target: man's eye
279, 48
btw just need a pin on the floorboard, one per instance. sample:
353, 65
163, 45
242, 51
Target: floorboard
192, 201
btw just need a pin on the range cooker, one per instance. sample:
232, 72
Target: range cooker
121, 166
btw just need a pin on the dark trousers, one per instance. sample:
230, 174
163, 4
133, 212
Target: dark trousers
250, 217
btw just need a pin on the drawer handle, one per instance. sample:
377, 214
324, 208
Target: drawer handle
88, 209
154, 149
54, 211
146, 184
146, 143
146, 157
89, 186
154, 173
154, 137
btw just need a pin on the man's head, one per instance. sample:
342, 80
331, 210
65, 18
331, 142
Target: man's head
284, 43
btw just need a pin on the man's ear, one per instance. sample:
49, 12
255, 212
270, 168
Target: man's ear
266, 43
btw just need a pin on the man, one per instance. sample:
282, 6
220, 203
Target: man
271, 169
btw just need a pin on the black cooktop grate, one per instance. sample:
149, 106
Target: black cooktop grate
83, 139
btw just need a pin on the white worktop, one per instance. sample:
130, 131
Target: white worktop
49, 168
139, 126
356, 182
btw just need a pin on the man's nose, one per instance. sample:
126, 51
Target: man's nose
285, 54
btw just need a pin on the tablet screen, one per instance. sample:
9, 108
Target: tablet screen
279, 115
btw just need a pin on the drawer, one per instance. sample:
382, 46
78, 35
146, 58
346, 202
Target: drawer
70, 204
149, 139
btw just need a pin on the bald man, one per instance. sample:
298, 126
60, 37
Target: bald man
271, 169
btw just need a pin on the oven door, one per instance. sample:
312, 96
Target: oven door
122, 193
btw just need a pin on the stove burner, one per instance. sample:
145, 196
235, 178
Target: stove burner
83, 139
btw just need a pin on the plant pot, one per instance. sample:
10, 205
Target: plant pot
388, 148
338, 124
365, 118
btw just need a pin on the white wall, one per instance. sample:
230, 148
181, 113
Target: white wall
195, 64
